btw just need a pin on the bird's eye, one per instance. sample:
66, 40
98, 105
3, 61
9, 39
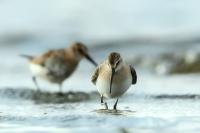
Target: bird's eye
80, 51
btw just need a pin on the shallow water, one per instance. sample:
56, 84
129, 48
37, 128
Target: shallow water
135, 112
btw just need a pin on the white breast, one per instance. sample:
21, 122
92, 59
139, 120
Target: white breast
38, 70
118, 89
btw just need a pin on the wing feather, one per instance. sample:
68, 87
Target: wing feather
95, 75
134, 75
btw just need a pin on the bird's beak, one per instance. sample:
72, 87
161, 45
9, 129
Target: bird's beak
87, 56
111, 80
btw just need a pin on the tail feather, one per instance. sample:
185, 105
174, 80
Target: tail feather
29, 57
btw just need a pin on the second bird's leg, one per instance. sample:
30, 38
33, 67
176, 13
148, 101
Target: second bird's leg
115, 105
35, 82
104, 103
60, 93
60, 87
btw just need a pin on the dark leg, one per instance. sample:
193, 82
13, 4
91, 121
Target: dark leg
115, 106
60, 93
35, 82
102, 100
60, 87
104, 103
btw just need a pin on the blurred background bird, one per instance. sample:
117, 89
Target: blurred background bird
57, 65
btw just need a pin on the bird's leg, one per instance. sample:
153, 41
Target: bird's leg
115, 105
60, 87
35, 82
104, 103
60, 93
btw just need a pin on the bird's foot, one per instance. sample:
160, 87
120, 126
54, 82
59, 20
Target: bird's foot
115, 109
106, 106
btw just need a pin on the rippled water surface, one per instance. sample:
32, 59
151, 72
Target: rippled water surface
135, 113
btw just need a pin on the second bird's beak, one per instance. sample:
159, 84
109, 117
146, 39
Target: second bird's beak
87, 56
111, 80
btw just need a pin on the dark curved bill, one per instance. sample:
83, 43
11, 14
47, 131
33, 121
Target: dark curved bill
111, 80
90, 59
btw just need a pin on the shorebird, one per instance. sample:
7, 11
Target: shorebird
57, 65
113, 77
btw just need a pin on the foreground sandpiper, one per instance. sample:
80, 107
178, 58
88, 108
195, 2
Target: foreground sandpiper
57, 65
113, 78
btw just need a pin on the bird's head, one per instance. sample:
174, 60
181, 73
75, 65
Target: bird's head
115, 61
81, 51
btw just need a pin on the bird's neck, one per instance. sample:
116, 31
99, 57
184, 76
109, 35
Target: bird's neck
119, 68
69, 53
